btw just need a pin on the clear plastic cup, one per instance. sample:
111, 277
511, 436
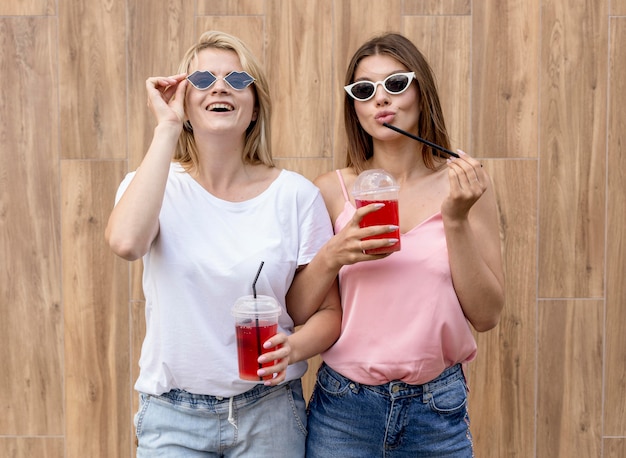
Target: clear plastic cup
256, 320
378, 186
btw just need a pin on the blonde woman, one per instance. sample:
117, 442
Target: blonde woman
203, 210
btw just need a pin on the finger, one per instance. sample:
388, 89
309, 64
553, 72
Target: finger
362, 211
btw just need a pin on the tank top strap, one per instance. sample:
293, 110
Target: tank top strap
343, 185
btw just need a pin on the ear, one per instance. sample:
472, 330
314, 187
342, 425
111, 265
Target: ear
255, 114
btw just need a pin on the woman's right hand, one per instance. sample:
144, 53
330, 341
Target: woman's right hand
166, 97
348, 247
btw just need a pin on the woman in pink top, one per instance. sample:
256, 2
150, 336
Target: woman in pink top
392, 385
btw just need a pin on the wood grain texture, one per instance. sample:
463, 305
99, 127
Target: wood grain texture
615, 368
502, 378
617, 8
504, 78
230, 7
614, 447
92, 87
569, 400
28, 8
31, 329
96, 316
437, 7
300, 77
446, 43
573, 149
160, 32
534, 88
29, 447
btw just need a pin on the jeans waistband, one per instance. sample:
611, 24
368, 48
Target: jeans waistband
178, 396
397, 388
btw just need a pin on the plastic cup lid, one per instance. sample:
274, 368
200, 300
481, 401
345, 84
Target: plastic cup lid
375, 180
261, 306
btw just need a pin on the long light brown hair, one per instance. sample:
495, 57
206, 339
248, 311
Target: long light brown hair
431, 125
257, 142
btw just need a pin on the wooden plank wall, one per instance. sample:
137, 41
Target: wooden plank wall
535, 88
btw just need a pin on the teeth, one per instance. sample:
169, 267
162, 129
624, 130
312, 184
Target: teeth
220, 107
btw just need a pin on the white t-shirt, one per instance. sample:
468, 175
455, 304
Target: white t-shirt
206, 255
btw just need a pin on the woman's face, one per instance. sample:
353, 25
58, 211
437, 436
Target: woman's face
397, 109
220, 108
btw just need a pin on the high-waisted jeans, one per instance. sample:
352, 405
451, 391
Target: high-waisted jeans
351, 420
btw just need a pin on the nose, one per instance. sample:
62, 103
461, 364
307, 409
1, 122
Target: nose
220, 85
380, 95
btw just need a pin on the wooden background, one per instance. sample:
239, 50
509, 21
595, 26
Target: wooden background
535, 88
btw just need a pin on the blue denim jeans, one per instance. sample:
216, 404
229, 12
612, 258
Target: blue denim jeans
262, 422
350, 420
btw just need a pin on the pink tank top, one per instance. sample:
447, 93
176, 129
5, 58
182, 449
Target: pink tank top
402, 319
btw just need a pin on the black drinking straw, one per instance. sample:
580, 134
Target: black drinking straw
258, 332
420, 139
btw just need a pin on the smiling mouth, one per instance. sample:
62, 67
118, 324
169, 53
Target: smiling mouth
220, 107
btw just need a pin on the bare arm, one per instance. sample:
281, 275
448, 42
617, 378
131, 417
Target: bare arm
134, 221
473, 241
319, 332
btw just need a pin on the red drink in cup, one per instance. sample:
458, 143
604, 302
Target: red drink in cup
248, 336
384, 216
378, 186
256, 320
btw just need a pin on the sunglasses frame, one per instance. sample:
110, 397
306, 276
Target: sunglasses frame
409, 75
247, 83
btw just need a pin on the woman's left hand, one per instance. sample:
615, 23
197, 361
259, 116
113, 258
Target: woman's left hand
280, 357
468, 182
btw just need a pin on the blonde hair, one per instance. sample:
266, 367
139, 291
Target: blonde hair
257, 142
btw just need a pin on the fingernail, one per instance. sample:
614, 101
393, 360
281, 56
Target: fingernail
461, 152
260, 372
393, 227
379, 205
392, 241
268, 344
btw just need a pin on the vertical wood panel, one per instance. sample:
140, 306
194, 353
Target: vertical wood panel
502, 378
31, 398
446, 43
246, 28
301, 77
504, 78
96, 312
92, 38
569, 402
573, 148
615, 372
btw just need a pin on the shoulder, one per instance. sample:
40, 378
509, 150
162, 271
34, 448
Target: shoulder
331, 188
330, 183
296, 180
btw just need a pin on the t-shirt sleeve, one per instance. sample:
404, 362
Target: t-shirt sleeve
123, 186
315, 227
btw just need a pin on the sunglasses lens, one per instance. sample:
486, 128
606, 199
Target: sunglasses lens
202, 80
362, 90
239, 80
396, 83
